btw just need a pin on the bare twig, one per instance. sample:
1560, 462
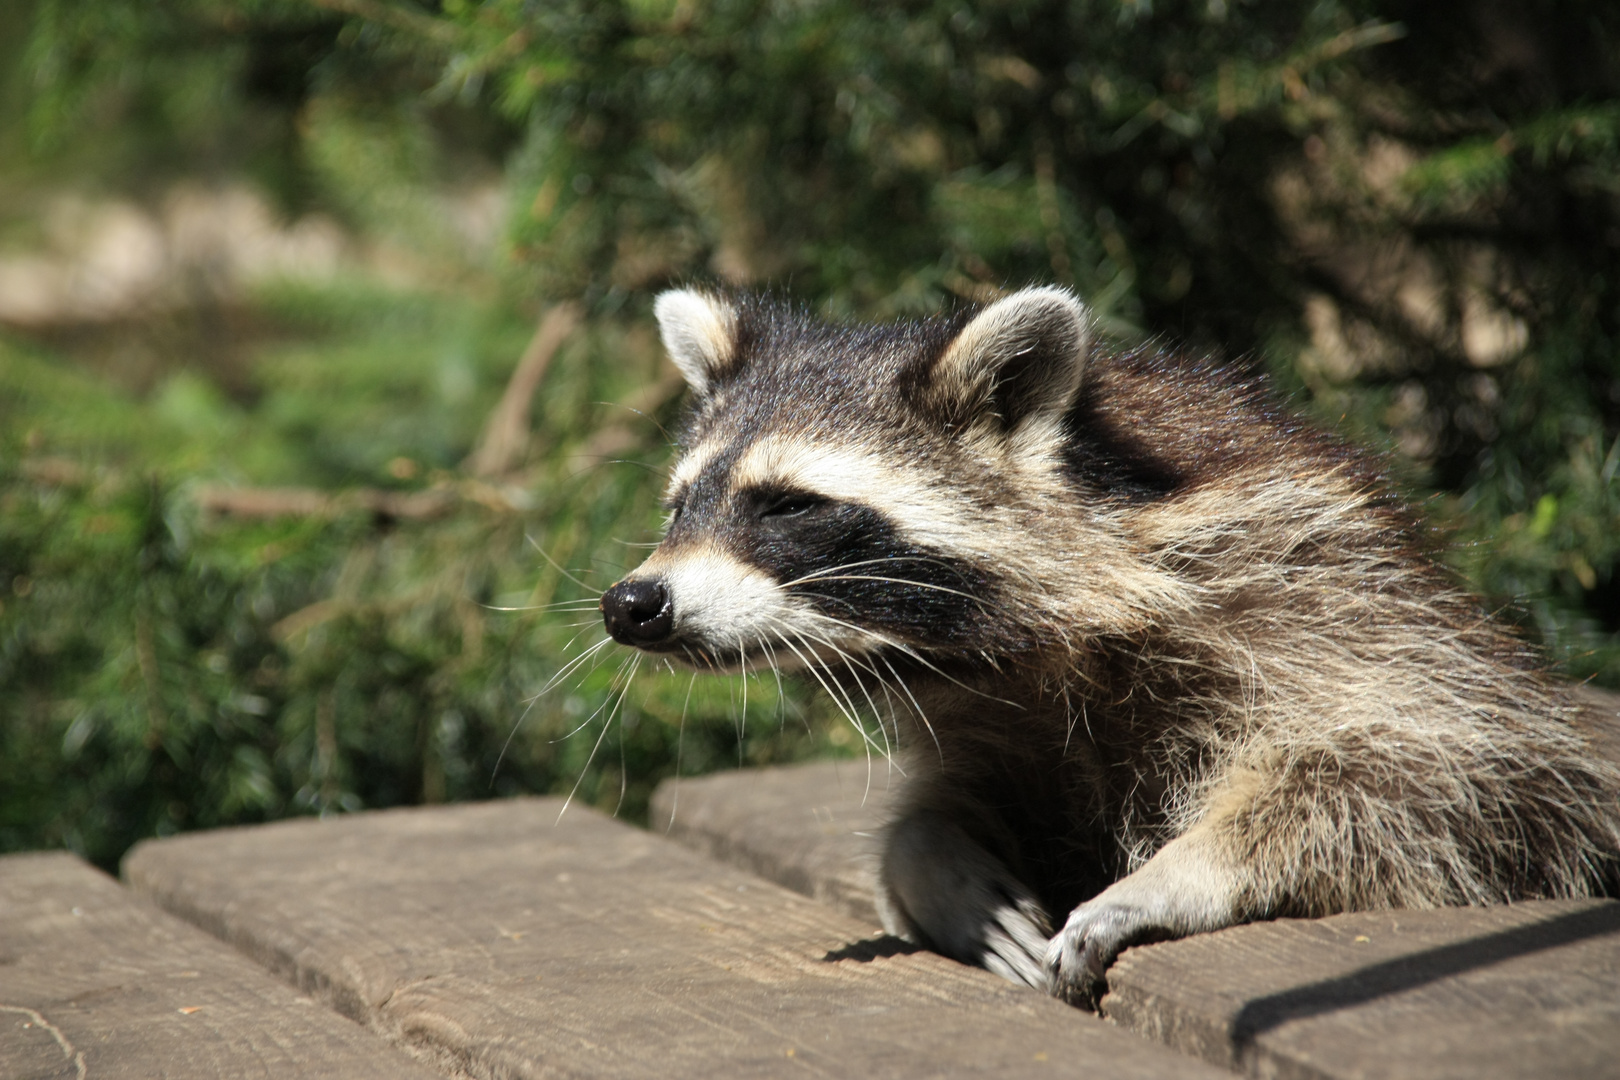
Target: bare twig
302, 621
506, 433
308, 502
60, 472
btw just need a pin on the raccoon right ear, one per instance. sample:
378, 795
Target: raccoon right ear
1020, 357
700, 332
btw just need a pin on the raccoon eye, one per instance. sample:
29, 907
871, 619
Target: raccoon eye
790, 505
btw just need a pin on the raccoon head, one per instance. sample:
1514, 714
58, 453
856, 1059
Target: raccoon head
844, 491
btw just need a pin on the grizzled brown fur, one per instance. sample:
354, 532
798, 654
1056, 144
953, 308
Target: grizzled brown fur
1161, 656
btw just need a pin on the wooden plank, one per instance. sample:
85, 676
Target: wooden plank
97, 982
813, 828
1530, 990
504, 944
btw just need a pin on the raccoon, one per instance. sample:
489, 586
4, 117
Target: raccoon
1161, 656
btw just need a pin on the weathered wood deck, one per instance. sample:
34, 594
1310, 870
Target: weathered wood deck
97, 982
489, 940
1531, 990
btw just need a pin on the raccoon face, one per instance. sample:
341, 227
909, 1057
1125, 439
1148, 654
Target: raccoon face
850, 491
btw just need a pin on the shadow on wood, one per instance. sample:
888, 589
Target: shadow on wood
1417, 969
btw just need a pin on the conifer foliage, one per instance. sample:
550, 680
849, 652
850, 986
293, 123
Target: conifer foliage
1408, 212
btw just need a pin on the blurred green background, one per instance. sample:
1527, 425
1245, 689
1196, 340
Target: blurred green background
268, 547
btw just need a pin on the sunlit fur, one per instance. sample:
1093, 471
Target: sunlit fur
1161, 656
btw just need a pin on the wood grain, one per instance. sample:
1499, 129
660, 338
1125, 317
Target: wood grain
1531, 990
812, 828
95, 982
501, 943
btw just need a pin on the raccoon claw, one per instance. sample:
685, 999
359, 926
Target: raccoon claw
1078, 956
1015, 945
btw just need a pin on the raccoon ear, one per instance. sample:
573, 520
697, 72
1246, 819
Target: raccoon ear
700, 331
1020, 357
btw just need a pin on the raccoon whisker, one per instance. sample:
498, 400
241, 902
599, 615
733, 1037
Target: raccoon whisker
902, 647
827, 687
680, 745
886, 561
877, 714
776, 670
902, 581
878, 676
554, 564
569, 644
631, 662
805, 638
919, 658
583, 724
632, 409
570, 666
822, 639
529, 705
865, 735
742, 717
628, 461
624, 770
888, 702
879, 638
510, 735
581, 605
854, 608
607, 722
917, 706
850, 662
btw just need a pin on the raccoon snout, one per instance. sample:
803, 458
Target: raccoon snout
638, 612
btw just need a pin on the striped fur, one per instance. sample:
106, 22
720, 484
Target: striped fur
1161, 656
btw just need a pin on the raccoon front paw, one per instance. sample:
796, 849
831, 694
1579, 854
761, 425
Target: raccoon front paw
1077, 958
985, 919
943, 890
1012, 940
1187, 888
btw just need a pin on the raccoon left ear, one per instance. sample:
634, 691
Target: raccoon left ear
700, 331
1020, 357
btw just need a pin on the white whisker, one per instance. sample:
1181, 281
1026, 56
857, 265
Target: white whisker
607, 722
554, 564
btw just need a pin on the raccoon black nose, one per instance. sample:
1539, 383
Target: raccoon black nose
638, 612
